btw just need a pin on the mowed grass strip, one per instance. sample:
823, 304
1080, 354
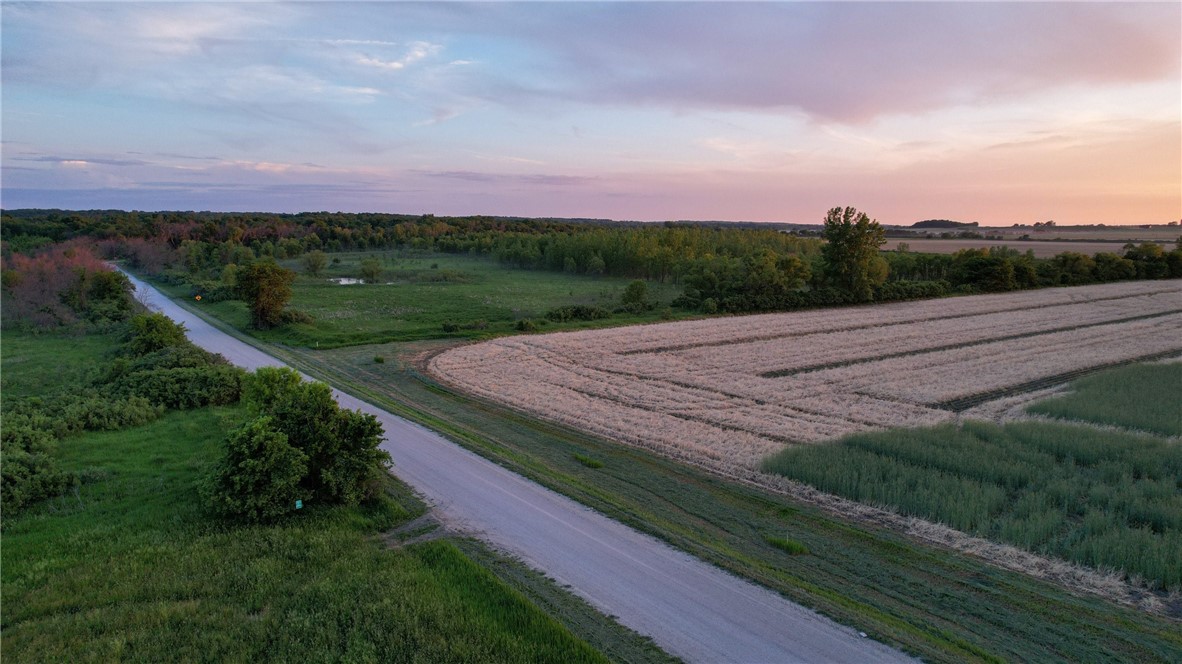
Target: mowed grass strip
1141, 396
418, 293
938, 604
1105, 499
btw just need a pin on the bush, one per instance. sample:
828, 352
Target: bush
152, 332
526, 325
258, 477
184, 387
296, 316
174, 357
341, 446
910, 290
28, 471
378, 359
449, 326
371, 270
577, 312
67, 414
213, 291
635, 294
314, 262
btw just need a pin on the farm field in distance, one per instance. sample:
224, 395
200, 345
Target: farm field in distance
727, 393
1041, 248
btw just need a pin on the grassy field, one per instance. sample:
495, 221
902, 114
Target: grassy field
419, 293
1103, 499
43, 363
130, 567
1144, 397
940, 605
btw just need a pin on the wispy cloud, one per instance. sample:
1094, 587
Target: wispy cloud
80, 161
544, 179
835, 61
417, 51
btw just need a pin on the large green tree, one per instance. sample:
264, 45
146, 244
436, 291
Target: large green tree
266, 288
850, 253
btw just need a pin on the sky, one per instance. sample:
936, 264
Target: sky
998, 113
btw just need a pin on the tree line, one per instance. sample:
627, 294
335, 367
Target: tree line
729, 269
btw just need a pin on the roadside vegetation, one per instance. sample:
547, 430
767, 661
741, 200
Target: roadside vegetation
129, 563
1104, 499
1143, 396
112, 552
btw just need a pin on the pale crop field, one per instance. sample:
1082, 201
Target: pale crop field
727, 392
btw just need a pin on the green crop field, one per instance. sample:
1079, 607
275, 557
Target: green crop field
418, 294
1144, 396
130, 567
1104, 499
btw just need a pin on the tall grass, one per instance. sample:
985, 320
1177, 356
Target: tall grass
130, 567
1108, 500
1130, 397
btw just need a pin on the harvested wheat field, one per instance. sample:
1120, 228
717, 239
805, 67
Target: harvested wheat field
727, 392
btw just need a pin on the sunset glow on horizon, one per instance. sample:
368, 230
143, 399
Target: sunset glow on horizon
998, 113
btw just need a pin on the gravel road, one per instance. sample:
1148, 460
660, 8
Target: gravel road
690, 608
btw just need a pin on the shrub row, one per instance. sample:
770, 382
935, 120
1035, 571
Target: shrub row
577, 312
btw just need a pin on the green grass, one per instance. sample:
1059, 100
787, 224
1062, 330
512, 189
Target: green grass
414, 300
1139, 396
791, 547
131, 567
1102, 499
935, 603
44, 363
588, 461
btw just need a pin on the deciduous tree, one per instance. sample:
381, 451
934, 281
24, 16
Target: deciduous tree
314, 262
851, 255
266, 288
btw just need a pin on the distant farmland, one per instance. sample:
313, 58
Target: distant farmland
727, 392
1041, 248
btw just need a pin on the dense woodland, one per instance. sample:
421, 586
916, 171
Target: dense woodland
722, 268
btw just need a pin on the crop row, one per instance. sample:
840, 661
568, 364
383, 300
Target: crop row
742, 329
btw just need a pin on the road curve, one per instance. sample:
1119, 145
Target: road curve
691, 609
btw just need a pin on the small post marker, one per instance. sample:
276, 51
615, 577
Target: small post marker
299, 504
